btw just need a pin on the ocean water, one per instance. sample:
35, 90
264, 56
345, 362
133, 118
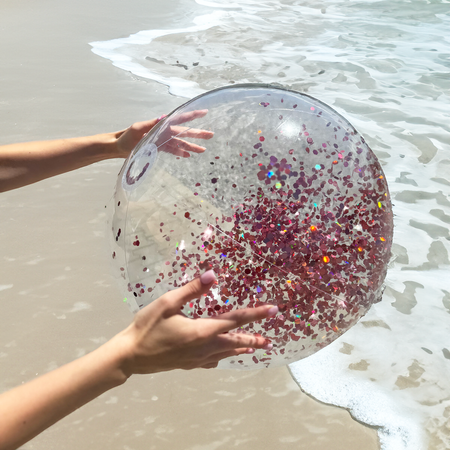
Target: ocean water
385, 66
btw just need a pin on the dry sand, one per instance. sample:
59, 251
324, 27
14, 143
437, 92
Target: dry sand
58, 298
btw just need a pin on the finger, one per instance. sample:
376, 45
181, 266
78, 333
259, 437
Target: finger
144, 127
190, 291
240, 317
174, 150
140, 127
210, 366
188, 116
178, 147
187, 146
219, 356
231, 341
191, 133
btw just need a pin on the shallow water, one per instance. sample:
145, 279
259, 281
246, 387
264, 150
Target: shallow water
385, 66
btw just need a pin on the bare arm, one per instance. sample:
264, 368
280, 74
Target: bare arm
159, 339
29, 162
29, 409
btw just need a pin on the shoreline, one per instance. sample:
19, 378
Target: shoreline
59, 297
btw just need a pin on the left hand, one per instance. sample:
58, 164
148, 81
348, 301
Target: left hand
169, 141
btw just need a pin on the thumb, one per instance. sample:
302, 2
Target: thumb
192, 290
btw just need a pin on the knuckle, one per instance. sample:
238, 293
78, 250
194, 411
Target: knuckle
239, 340
164, 301
244, 338
136, 127
249, 340
202, 334
191, 290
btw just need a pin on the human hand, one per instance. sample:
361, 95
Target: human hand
169, 141
161, 338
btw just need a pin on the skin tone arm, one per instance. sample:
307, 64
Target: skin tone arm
26, 163
159, 339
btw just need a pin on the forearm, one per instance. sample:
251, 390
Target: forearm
29, 409
26, 163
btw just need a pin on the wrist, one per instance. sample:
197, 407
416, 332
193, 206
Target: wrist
106, 146
119, 351
112, 358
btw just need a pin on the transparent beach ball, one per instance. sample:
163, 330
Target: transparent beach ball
278, 194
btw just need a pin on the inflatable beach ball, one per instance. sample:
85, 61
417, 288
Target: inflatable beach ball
278, 194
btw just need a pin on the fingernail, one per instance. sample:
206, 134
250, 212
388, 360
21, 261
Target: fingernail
161, 118
268, 346
208, 277
250, 350
272, 311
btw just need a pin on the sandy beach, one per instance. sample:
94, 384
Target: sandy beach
58, 297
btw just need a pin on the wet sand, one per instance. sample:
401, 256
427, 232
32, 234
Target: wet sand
58, 297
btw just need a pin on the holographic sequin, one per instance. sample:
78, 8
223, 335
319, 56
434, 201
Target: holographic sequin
299, 217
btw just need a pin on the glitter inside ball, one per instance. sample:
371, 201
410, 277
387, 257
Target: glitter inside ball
286, 203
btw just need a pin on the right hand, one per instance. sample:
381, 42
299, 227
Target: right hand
161, 339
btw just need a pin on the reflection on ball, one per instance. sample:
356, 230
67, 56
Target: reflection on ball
287, 204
